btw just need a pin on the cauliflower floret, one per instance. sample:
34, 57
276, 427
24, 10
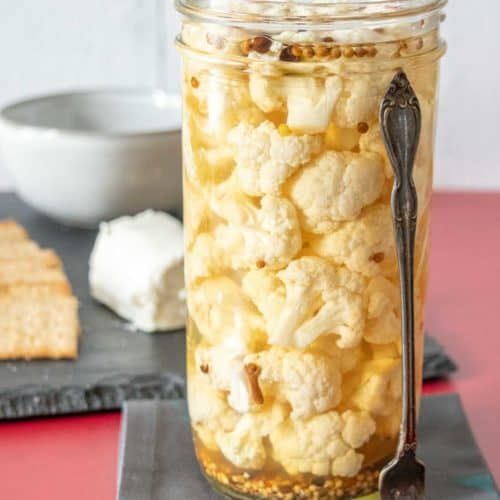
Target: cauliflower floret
309, 382
208, 410
336, 187
383, 324
358, 428
268, 235
207, 405
365, 245
204, 259
372, 142
244, 446
265, 159
223, 365
316, 445
360, 100
379, 387
204, 164
309, 101
346, 465
196, 213
267, 92
221, 310
217, 104
312, 298
344, 359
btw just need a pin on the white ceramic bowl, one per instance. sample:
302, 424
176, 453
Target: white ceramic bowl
85, 157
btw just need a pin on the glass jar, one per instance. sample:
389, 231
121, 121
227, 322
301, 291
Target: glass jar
294, 357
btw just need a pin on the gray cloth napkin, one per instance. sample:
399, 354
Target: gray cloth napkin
157, 460
437, 363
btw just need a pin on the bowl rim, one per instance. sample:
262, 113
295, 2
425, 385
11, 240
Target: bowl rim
171, 99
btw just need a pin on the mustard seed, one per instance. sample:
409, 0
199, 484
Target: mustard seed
378, 257
360, 52
296, 51
261, 44
336, 52
194, 82
348, 52
246, 47
287, 55
308, 52
363, 127
321, 50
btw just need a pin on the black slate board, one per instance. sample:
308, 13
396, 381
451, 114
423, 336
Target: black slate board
115, 362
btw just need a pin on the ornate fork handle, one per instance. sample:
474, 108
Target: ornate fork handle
401, 131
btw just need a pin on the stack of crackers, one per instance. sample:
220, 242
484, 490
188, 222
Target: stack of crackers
38, 312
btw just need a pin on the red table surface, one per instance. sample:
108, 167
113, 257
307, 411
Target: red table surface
74, 458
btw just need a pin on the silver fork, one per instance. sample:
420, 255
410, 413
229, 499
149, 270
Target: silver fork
400, 118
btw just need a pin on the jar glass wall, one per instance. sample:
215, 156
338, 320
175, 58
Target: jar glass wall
294, 358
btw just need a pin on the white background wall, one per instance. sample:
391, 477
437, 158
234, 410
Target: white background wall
59, 44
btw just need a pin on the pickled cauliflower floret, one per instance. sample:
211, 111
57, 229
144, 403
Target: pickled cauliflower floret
365, 245
308, 101
336, 187
221, 310
223, 365
208, 410
372, 142
244, 445
379, 387
204, 258
204, 165
267, 92
346, 465
383, 323
196, 214
317, 445
265, 159
265, 235
217, 105
358, 428
207, 405
310, 104
311, 298
309, 382
360, 100
345, 360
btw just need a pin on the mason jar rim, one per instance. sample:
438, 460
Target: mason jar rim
304, 12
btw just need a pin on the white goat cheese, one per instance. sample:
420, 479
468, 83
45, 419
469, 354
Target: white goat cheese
136, 269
